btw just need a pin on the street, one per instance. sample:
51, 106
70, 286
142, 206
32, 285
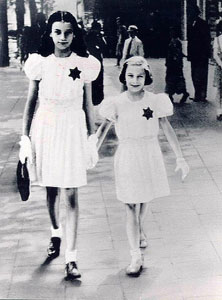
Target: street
183, 260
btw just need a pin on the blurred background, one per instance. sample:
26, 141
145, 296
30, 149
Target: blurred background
22, 22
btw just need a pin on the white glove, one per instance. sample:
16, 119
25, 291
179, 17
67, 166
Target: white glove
25, 149
183, 166
92, 153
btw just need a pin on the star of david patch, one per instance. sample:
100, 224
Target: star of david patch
147, 113
74, 73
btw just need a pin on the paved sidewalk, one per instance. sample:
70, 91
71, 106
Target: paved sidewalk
184, 257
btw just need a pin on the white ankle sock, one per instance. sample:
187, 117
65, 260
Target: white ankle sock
71, 256
56, 232
135, 252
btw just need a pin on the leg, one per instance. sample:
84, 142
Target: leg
194, 75
72, 219
132, 229
219, 98
53, 197
142, 214
204, 80
132, 226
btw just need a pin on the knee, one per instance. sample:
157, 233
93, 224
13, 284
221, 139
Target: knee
52, 192
131, 209
71, 197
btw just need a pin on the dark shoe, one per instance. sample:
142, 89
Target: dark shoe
54, 247
195, 99
219, 118
184, 98
71, 271
204, 100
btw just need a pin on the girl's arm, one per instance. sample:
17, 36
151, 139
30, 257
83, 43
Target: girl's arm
171, 137
88, 108
215, 53
173, 141
30, 106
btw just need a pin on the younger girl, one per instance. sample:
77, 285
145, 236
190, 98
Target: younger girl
60, 76
139, 168
217, 54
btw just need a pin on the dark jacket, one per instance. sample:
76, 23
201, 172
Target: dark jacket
199, 41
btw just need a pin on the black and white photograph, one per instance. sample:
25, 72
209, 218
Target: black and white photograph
111, 149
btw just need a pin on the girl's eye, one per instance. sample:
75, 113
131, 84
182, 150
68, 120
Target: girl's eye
68, 32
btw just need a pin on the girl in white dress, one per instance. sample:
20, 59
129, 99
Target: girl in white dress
139, 168
60, 77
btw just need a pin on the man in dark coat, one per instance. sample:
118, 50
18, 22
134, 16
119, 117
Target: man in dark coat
198, 52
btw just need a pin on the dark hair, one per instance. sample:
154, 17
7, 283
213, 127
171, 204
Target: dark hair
136, 61
78, 45
219, 27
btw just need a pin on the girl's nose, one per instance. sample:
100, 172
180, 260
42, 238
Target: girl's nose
134, 79
63, 36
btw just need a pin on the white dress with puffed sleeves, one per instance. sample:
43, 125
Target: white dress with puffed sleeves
58, 131
140, 173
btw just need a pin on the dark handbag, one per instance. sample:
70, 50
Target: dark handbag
23, 181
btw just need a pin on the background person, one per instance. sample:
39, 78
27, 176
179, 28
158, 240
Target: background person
198, 52
133, 46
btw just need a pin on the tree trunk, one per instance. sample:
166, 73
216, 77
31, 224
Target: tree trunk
20, 11
33, 11
4, 57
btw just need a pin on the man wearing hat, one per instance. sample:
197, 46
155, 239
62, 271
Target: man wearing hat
133, 46
198, 52
122, 35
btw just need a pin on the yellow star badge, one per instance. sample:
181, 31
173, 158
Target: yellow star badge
148, 113
74, 73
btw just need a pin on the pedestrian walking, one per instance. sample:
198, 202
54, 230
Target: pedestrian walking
133, 46
122, 35
198, 50
217, 54
175, 81
96, 46
140, 173
60, 75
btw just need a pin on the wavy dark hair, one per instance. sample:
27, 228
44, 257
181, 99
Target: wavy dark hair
219, 28
78, 45
136, 61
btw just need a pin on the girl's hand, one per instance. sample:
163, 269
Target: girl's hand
25, 149
183, 166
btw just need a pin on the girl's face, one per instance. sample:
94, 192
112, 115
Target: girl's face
135, 78
62, 36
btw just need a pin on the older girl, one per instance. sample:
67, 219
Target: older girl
60, 76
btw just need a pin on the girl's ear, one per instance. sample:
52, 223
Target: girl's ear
50, 34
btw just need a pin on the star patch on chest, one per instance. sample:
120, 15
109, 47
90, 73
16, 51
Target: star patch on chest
147, 113
74, 73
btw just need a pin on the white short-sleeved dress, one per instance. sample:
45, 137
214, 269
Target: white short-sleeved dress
140, 173
58, 131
